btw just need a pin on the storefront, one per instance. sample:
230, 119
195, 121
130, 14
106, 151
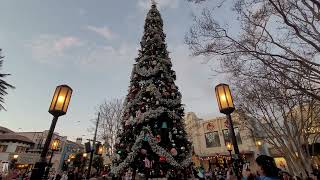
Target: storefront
210, 138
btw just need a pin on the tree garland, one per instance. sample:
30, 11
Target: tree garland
130, 157
158, 96
155, 148
162, 152
152, 114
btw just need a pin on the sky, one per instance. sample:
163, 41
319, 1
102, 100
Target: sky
90, 45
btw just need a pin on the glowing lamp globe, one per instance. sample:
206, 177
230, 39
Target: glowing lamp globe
259, 143
224, 99
99, 149
229, 146
60, 101
15, 156
55, 145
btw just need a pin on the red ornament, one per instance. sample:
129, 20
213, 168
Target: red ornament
162, 159
158, 138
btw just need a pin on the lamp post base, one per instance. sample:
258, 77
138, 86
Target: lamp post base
38, 171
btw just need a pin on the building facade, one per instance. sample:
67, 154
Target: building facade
66, 147
13, 149
210, 137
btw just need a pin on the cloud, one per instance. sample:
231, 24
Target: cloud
105, 31
45, 47
194, 78
162, 4
110, 57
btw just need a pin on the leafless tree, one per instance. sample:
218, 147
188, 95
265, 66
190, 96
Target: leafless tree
283, 36
285, 118
110, 121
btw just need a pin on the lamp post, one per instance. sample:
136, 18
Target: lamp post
59, 106
54, 147
84, 156
226, 106
93, 145
229, 148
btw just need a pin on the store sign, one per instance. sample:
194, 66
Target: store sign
209, 126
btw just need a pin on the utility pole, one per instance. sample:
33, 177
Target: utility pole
93, 147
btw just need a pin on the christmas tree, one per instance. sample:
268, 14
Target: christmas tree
153, 141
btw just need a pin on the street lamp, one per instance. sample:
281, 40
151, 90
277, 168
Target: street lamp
14, 161
226, 106
15, 157
259, 143
84, 155
99, 149
54, 147
58, 107
225, 103
229, 148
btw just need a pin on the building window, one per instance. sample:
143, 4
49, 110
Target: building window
3, 148
227, 138
20, 149
212, 139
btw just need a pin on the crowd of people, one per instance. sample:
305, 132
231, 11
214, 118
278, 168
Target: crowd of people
267, 170
71, 174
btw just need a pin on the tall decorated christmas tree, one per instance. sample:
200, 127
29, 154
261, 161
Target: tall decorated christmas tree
153, 141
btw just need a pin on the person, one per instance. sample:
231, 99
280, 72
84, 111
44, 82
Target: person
267, 168
201, 173
58, 176
64, 176
285, 175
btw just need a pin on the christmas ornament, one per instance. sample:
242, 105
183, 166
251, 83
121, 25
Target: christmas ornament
147, 163
158, 138
162, 159
164, 125
138, 114
143, 151
173, 151
182, 148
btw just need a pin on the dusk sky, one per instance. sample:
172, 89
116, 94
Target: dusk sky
90, 45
